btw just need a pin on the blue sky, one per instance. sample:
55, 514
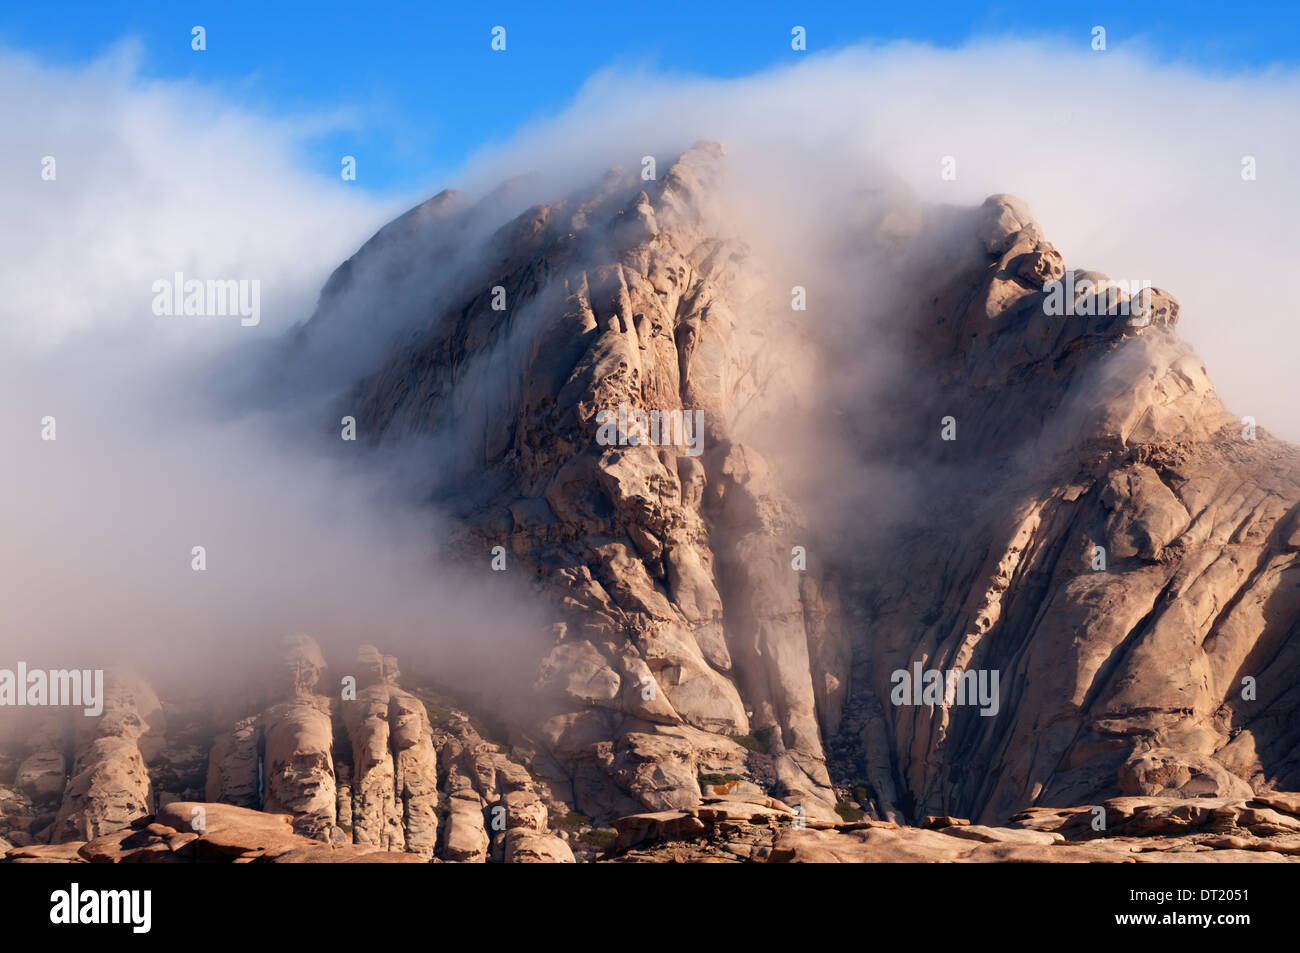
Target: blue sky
418, 88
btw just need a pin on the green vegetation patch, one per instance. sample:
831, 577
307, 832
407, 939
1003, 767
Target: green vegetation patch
849, 813
718, 778
604, 839
759, 741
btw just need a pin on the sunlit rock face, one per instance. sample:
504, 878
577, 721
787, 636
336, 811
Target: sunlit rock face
973, 540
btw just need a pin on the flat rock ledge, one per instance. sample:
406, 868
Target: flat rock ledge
1265, 828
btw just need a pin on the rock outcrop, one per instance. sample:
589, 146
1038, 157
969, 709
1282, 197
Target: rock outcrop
297, 740
308, 778
1120, 830
666, 554
110, 784
1099, 531
796, 612
395, 778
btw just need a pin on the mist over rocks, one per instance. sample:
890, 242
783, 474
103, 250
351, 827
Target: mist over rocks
1075, 433
288, 773
617, 298
1094, 428
915, 472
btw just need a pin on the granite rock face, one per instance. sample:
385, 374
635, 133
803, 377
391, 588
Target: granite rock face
1103, 534
757, 559
372, 772
109, 785
664, 552
1099, 531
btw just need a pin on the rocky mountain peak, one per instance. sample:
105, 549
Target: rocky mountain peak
757, 559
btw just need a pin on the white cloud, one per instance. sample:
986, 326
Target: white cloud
152, 178
1132, 167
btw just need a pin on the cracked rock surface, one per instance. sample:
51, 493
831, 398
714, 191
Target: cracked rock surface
1058, 498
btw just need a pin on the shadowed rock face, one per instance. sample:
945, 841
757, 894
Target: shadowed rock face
1117, 676
1057, 500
